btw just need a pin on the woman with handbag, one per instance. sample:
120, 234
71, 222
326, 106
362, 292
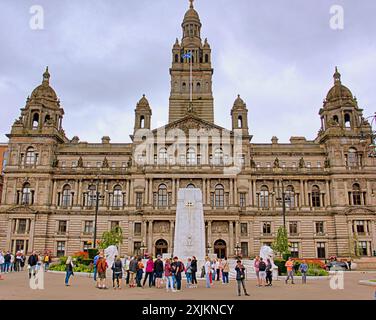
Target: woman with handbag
240, 277
69, 270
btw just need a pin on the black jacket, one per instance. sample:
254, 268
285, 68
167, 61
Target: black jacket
194, 265
117, 267
158, 266
7, 258
33, 260
262, 266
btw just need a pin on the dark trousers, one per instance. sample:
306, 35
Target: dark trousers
116, 278
269, 277
241, 283
127, 278
150, 276
218, 274
225, 277
178, 281
139, 278
194, 279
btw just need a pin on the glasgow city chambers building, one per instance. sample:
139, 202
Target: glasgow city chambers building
324, 190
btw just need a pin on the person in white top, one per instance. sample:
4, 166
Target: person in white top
11, 262
207, 271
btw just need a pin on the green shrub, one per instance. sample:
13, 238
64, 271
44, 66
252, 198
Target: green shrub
63, 260
286, 256
281, 266
92, 253
86, 262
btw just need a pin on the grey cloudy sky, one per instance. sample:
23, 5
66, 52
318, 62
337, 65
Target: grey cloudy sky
279, 55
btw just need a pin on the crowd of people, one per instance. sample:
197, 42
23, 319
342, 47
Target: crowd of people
12, 263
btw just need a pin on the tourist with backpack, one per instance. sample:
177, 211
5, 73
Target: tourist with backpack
132, 272
177, 267
101, 269
303, 268
95, 266
269, 273
194, 271
158, 272
262, 272
139, 272
149, 272
168, 276
117, 271
225, 271
68, 270
240, 277
188, 273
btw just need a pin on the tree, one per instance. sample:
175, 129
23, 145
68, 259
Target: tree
281, 243
111, 238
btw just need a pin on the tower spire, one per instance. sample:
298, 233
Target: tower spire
191, 3
46, 76
337, 76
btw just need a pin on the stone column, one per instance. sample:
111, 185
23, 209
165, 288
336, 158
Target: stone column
347, 194
231, 244
306, 193
208, 191
127, 193
173, 192
231, 193
237, 232
151, 191
327, 193
144, 232
54, 193
150, 237
210, 235
17, 225
235, 192
77, 197
302, 198
204, 191
131, 194
250, 195
254, 193
146, 200
369, 192
172, 236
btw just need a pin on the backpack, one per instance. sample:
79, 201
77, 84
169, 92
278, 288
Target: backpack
101, 266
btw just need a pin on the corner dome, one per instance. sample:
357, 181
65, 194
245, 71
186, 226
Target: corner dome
191, 14
239, 102
143, 102
44, 90
338, 91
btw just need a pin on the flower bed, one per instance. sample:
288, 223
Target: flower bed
81, 262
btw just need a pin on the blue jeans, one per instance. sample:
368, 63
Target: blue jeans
189, 278
170, 283
207, 277
178, 281
95, 273
213, 275
225, 277
304, 277
6, 266
2, 267
67, 276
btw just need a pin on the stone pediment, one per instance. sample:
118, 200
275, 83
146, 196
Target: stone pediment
191, 122
22, 209
354, 211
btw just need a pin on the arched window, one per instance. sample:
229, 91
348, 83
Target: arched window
142, 122
92, 196
240, 122
347, 120
264, 197
66, 199
218, 156
35, 123
30, 156
356, 195
315, 197
219, 196
198, 87
335, 119
162, 155
117, 200
176, 58
26, 194
352, 158
162, 196
47, 118
191, 186
206, 58
184, 86
290, 197
191, 156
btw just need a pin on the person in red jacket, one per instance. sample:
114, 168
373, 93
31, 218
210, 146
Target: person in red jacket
149, 272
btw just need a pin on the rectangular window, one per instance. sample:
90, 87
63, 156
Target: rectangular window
267, 228
60, 248
62, 227
308, 164
114, 224
21, 226
89, 227
283, 164
124, 164
318, 164
360, 226
138, 200
242, 202
268, 165
295, 249
363, 251
137, 248
294, 164
244, 229
99, 164
63, 164
20, 245
320, 227
293, 227
113, 164
244, 248
74, 164
321, 254
88, 164
86, 246
137, 229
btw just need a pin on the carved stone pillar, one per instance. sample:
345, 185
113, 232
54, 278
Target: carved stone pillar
231, 244
150, 237
172, 236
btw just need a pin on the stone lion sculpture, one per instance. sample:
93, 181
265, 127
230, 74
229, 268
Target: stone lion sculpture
267, 253
109, 254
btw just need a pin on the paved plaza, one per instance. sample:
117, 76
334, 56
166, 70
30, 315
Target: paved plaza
16, 286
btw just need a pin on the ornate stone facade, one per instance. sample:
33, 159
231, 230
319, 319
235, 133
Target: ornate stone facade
328, 184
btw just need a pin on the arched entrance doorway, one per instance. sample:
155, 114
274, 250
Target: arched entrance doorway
220, 248
161, 247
